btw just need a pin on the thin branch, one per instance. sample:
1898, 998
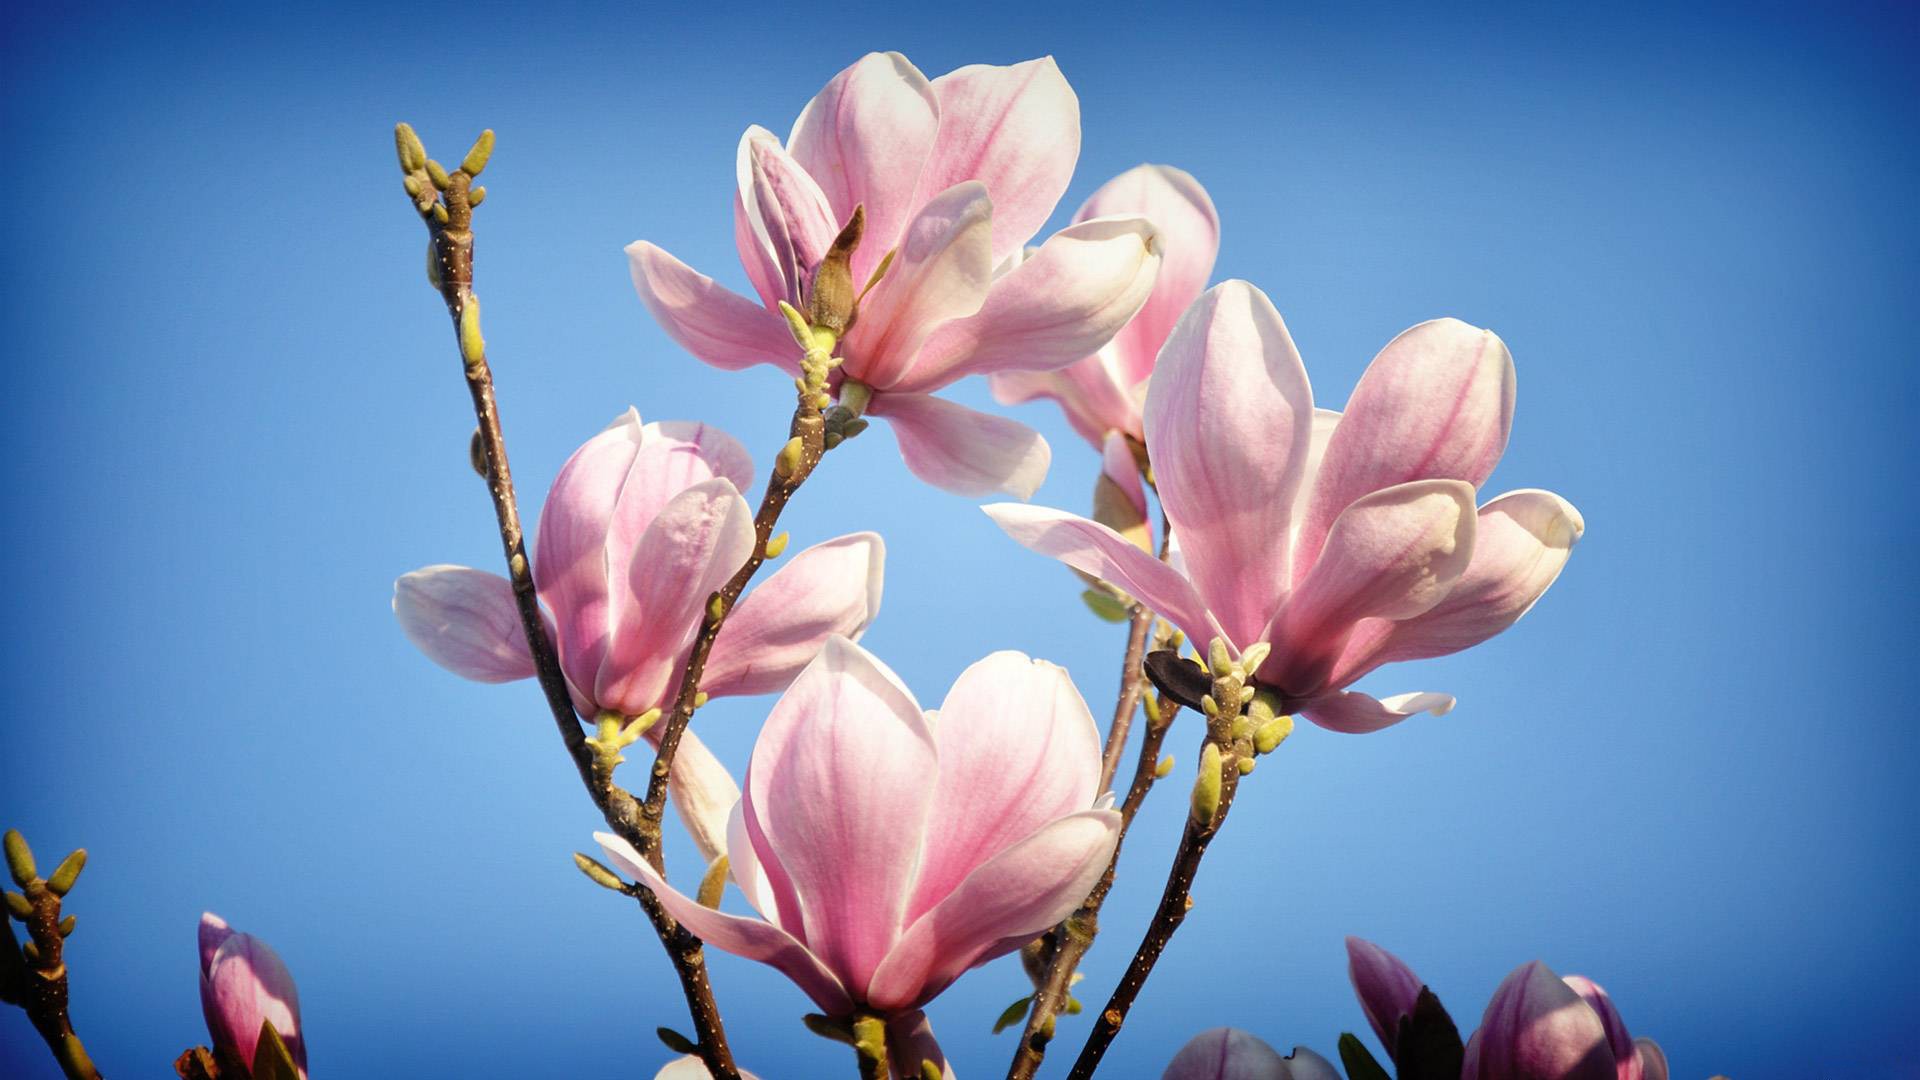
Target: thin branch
33, 975
1132, 681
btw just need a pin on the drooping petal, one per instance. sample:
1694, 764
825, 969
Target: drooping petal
1435, 404
1537, 1028
1229, 415
1386, 986
245, 984
1015, 129
1225, 1053
1089, 392
911, 1045
865, 138
1653, 1060
465, 620
963, 450
783, 622
840, 787
1354, 713
1626, 1057
703, 792
1001, 904
1189, 233
1018, 749
697, 541
943, 271
750, 938
1057, 307
714, 323
788, 224
1392, 555
1092, 548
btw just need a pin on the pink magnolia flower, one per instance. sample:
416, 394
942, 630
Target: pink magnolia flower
1343, 541
691, 1068
1225, 1053
888, 850
954, 175
1102, 394
242, 984
1542, 1027
1386, 986
641, 526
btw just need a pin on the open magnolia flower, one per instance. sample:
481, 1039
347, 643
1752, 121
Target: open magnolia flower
953, 177
1344, 541
1226, 1053
642, 525
888, 850
1102, 394
244, 983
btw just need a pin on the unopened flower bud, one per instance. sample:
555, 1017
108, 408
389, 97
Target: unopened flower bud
67, 872
67, 924
407, 145
598, 874
713, 884
473, 347
19, 906
1268, 736
19, 858
831, 302
477, 196
1206, 786
437, 173
788, 461
1220, 658
1255, 655
777, 545
476, 158
1165, 767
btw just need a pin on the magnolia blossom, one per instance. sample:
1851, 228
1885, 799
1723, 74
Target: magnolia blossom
642, 525
1225, 1053
1537, 1027
954, 176
242, 984
691, 1068
1102, 394
888, 850
1344, 541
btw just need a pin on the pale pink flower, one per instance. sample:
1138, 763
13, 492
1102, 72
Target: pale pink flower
1343, 541
888, 850
1102, 394
1542, 1027
1225, 1053
955, 175
243, 983
691, 1068
642, 525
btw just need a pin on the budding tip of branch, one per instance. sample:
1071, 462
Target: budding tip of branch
407, 145
19, 858
67, 872
598, 874
476, 158
437, 173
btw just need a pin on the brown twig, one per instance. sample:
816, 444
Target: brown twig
34, 976
1132, 681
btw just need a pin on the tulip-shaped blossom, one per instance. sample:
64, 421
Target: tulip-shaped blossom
1102, 394
242, 984
642, 525
1226, 1053
1542, 1027
888, 850
953, 176
1344, 541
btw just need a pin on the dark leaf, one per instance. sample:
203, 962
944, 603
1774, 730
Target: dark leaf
1359, 1061
1180, 679
271, 1059
1428, 1046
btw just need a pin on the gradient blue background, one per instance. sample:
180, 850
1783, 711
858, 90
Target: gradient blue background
232, 415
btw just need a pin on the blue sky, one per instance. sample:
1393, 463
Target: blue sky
233, 415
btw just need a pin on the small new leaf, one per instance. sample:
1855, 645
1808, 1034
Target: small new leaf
1180, 679
675, 1041
1105, 606
1012, 1014
1358, 1060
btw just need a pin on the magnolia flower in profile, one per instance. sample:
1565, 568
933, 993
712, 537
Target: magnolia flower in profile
1343, 541
1101, 395
1225, 1053
243, 983
920, 194
1542, 1027
887, 850
642, 525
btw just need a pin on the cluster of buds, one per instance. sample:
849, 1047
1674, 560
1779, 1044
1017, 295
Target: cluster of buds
33, 974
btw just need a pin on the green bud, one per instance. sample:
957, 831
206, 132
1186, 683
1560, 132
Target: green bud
476, 158
777, 545
1241, 728
433, 266
854, 427
1105, 606
713, 884
66, 926
518, 565
797, 325
407, 145
1246, 695
1358, 1060
412, 184
473, 347
440, 213
1012, 1014
675, 1041
438, 174
598, 874
716, 607
930, 1071
788, 461
1255, 655
855, 396
477, 196
67, 872
19, 906
831, 440
1244, 764
870, 1037
1209, 706
828, 1028
1165, 768
19, 858
1271, 734
31, 951
700, 699
477, 454
1206, 786
1220, 658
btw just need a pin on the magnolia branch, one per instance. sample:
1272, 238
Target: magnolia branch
33, 974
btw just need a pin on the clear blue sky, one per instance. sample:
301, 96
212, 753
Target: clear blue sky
233, 414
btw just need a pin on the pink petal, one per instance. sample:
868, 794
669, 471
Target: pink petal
1092, 548
1228, 417
1225, 1053
246, 983
1089, 392
1625, 1057
1386, 986
1001, 904
1392, 555
1018, 749
1057, 307
1118, 464
1016, 129
788, 225
464, 620
214, 933
841, 786
1435, 404
691, 1068
703, 792
751, 938
783, 622
715, 324
963, 450
743, 865
700, 538
943, 271
1354, 713
1324, 423
1537, 1027
1189, 232
1653, 1060
1521, 541
865, 138
1304, 1064
910, 1044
